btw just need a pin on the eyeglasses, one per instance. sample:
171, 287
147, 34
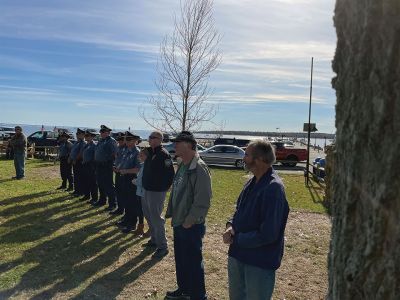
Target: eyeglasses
152, 137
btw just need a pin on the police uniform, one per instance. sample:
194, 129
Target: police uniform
89, 171
133, 207
76, 159
65, 165
104, 157
117, 164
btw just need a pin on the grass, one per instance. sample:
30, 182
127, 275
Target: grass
53, 246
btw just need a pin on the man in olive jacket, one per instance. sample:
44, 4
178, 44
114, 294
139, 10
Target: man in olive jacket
19, 145
188, 206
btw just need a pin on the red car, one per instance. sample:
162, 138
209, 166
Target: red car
289, 156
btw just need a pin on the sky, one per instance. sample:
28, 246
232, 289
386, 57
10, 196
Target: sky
92, 62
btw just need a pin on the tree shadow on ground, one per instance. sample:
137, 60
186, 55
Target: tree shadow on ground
22, 198
76, 245
5, 180
315, 191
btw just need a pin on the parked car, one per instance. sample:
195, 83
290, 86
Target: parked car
6, 133
44, 138
289, 156
223, 155
171, 148
242, 143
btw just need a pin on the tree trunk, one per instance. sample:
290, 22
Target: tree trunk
364, 259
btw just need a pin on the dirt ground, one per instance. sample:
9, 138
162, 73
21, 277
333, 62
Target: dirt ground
134, 275
303, 274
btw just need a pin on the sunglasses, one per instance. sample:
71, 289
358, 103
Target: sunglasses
151, 137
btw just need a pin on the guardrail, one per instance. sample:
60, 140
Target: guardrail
317, 174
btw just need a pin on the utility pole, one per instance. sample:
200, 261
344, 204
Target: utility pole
309, 124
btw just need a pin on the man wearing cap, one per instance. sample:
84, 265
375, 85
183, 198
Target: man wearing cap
188, 205
158, 174
128, 170
19, 145
255, 233
89, 169
65, 147
76, 159
104, 157
120, 138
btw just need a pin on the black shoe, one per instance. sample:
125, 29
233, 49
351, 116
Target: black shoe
20, 177
99, 203
118, 211
177, 294
160, 253
149, 244
128, 229
70, 188
14, 177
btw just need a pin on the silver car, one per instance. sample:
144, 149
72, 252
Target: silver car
223, 155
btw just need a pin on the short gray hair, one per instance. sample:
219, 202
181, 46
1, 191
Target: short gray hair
263, 150
159, 133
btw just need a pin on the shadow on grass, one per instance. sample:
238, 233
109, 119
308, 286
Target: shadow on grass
22, 198
74, 248
315, 191
5, 180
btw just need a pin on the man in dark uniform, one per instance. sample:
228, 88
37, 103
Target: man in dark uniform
65, 166
89, 169
117, 164
104, 158
76, 159
128, 169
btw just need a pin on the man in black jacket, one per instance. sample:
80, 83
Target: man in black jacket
158, 174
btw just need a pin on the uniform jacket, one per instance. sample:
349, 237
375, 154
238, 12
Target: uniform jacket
158, 171
194, 200
259, 222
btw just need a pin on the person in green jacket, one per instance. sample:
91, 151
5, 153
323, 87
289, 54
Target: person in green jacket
188, 206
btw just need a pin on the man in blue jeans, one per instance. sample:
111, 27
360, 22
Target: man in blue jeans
188, 206
19, 144
256, 231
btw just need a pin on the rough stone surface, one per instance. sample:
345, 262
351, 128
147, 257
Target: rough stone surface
364, 259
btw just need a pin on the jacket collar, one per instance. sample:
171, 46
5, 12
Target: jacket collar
193, 162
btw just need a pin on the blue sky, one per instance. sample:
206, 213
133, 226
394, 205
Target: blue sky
86, 63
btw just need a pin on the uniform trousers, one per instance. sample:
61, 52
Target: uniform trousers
104, 177
118, 192
153, 205
78, 172
133, 205
89, 180
66, 172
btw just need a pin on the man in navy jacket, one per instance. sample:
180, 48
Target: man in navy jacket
256, 231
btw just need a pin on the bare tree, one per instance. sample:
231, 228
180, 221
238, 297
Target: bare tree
187, 58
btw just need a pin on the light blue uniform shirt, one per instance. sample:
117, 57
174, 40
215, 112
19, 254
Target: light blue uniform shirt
130, 159
65, 149
105, 150
88, 152
77, 148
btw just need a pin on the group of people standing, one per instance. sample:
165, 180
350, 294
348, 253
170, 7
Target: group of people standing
255, 233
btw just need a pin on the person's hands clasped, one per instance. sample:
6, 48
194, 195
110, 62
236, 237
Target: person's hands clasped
228, 235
